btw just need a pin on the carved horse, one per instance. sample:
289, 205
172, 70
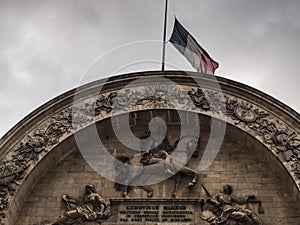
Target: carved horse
186, 148
123, 175
172, 166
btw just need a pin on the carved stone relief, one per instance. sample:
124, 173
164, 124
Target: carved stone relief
36, 145
226, 208
152, 97
222, 208
282, 140
91, 208
162, 154
279, 137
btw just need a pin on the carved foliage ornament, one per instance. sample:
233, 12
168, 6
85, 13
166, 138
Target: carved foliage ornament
153, 97
35, 145
282, 140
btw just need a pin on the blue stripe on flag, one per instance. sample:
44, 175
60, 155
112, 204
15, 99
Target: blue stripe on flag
179, 37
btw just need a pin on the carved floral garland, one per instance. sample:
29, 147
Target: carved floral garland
283, 141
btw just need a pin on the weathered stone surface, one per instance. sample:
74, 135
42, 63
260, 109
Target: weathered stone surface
262, 124
245, 168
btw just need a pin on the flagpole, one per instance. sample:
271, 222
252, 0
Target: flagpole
164, 38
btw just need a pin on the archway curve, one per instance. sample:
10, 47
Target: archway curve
270, 122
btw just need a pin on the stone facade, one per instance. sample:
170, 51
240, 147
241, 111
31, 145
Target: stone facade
241, 163
260, 153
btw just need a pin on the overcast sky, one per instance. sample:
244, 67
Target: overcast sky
46, 46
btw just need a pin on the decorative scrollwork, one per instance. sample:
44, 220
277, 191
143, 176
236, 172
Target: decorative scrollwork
295, 167
10, 173
102, 104
158, 97
199, 98
281, 139
207, 100
35, 145
32, 148
154, 96
243, 112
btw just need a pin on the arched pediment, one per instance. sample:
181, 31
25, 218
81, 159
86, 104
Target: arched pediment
265, 119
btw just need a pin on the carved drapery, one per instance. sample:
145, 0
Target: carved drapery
276, 135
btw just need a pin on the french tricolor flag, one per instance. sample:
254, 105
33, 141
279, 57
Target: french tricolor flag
195, 54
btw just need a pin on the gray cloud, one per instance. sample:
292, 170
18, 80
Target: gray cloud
47, 45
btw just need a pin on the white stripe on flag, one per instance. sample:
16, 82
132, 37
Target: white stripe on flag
193, 52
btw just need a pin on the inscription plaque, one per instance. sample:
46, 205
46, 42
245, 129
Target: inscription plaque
155, 211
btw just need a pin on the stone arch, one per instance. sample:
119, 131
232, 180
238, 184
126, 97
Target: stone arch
30, 142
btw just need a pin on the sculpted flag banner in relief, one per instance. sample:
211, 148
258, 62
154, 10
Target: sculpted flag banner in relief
195, 54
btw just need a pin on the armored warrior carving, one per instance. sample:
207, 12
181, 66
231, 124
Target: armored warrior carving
157, 150
225, 208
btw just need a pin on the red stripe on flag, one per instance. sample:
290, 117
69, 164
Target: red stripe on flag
207, 65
